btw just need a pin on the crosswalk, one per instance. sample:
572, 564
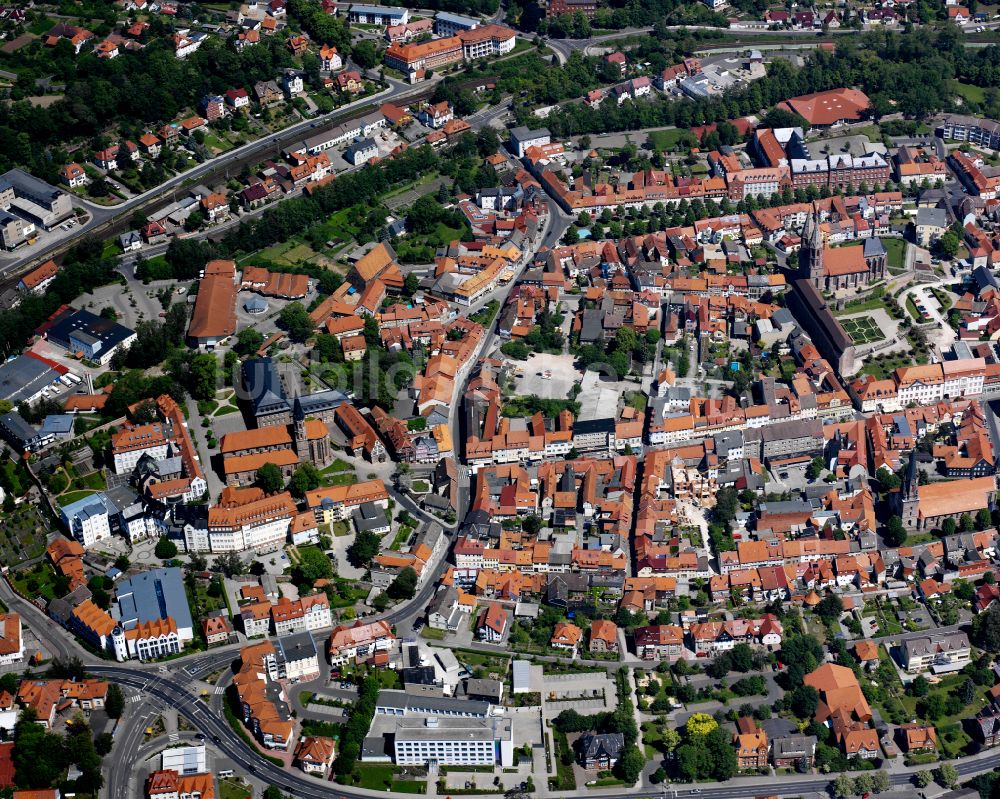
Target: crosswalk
134, 699
174, 736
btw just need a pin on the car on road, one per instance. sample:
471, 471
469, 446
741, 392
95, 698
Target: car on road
200, 736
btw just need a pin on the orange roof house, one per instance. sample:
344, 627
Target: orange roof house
565, 635
603, 636
840, 693
822, 109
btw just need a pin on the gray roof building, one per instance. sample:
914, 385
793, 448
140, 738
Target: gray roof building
153, 595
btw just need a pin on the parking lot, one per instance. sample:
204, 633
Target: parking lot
586, 692
546, 376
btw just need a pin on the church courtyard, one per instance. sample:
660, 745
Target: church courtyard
863, 329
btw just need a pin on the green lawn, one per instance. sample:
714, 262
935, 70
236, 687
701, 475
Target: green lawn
233, 789
38, 581
895, 252
409, 786
565, 779
420, 486
72, 496
857, 306
376, 776
217, 144
668, 139
432, 634
970, 93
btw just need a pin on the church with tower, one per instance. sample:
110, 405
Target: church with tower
833, 269
306, 440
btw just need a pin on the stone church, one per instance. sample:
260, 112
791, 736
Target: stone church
832, 269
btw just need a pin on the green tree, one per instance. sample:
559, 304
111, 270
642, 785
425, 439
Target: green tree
805, 700
842, 786
923, 779
887, 480
269, 479
986, 629
305, 478
365, 54
365, 547
295, 319
404, 586
629, 765
114, 701
313, 565
895, 532
248, 341
815, 468
165, 549
983, 519
946, 775
830, 608
203, 376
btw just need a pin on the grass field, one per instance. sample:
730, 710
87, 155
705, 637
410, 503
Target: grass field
970, 93
289, 253
375, 776
895, 253
862, 330
668, 139
72, 496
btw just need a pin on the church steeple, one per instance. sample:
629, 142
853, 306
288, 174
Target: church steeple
811, 251
301, 436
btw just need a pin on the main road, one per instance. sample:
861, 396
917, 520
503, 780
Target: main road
101, 215
174, 693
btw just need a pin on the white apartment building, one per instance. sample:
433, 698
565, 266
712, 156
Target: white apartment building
943, 652
130, 443
87, 520
309, 613
453, 741
147, 641
244, 520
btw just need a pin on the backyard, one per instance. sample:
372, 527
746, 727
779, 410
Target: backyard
23, 536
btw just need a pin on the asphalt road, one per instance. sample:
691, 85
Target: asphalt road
175, 694
271, 144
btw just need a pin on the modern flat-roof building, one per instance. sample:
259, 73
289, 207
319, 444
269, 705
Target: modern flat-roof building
448, 24
144, 602
404, 703
449, 741
521, 138
93, 337
34, 200
27, 378
15, 231
378, 15
88, 520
